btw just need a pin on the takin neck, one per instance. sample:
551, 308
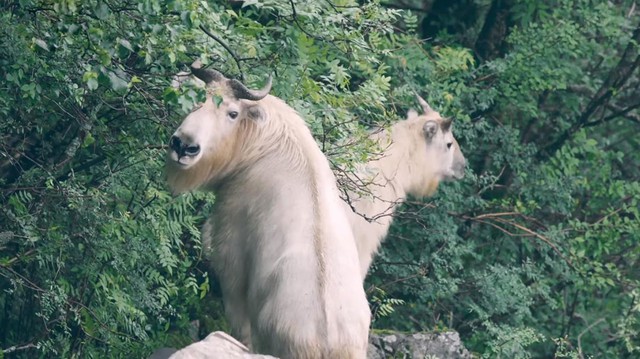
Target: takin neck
389, 179
395, 173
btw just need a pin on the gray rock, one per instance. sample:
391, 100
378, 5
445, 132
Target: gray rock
445, 345
163, 353
217, 345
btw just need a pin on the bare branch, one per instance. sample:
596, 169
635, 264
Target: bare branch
16, 348
622, 112
616, 79
490, 218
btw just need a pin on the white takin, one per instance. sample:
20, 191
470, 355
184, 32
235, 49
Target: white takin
277, 237
421, 151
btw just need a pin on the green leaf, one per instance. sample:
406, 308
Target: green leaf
117, 83
41, 44
92, 83
217, 100
102, 10
88, 140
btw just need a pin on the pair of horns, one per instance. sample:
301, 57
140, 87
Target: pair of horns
239, 90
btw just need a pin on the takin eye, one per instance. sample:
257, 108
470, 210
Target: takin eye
233, 115
449, 144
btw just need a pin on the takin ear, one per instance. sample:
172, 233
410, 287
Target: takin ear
430, 128
256, 113
411, 114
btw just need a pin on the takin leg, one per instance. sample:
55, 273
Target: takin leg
290, 323
284, 347
231, 275
236, 312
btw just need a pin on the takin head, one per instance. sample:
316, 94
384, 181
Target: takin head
206, 142
437, 152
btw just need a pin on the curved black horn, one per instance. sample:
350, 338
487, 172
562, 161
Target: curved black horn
241, 91
425, 106
206, 75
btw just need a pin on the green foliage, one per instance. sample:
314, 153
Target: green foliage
381, 304
96, 257
533, 254
509, 342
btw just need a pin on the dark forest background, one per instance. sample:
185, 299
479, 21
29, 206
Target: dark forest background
534, 254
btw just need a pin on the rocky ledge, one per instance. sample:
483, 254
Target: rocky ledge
445, 345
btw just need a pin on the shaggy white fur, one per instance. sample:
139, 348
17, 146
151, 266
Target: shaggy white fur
416, 155
277, 237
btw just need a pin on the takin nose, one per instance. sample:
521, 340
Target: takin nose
458, 169
183, 148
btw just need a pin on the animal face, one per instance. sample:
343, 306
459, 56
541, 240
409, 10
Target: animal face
212, 130
459, 162
443, 148
442, 153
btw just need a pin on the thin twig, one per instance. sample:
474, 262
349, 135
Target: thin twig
226, 47
70, 302
422, 273
498, 217
631, 10
18, 257
295, 19
539, 236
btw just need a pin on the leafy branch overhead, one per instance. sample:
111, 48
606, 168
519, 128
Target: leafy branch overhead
533, 254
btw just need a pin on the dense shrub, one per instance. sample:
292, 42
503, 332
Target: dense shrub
534, 254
